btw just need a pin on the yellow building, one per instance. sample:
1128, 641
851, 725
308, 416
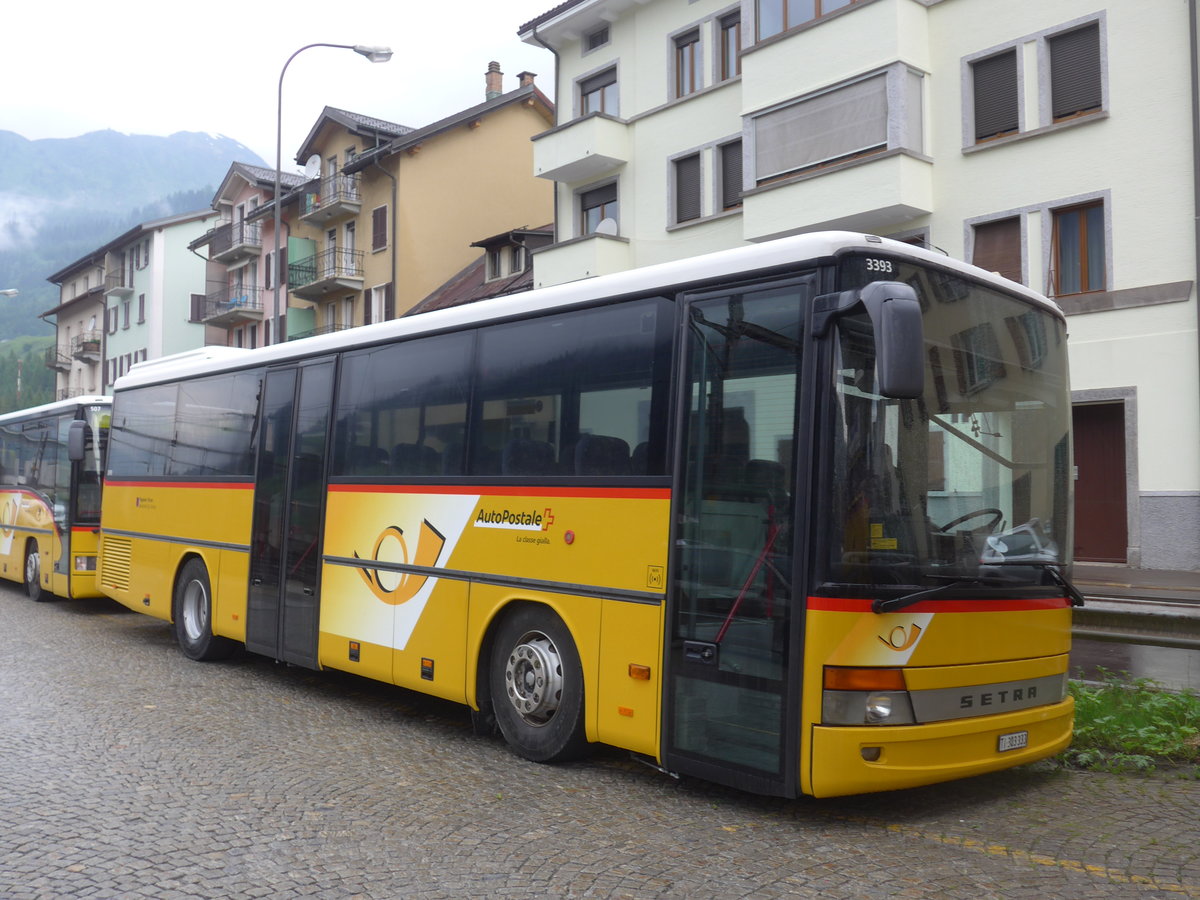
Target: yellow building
390, 213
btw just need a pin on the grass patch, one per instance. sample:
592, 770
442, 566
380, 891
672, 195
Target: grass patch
1127, 724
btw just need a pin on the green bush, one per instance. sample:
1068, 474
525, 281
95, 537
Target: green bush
1127, 724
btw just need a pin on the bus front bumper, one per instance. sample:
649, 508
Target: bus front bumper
858, 760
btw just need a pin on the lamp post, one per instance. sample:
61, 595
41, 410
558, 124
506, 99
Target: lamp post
9, 292
375, 55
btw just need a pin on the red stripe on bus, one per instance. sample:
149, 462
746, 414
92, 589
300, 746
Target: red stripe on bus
217, 485
840, 604
483, 490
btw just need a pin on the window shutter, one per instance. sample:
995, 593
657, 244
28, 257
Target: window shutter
998, 247
995, 95
197, 307
389, 302
731, 175
1075, 71
367, 301
687, 188
379, 228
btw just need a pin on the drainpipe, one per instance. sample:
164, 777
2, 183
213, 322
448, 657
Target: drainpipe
558, 101
1195, 72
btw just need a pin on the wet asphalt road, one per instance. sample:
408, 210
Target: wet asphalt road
128, 771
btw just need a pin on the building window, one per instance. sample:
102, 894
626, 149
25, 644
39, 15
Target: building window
599, 93
826, 128
595, 39
125, 314
997, 247
1075, 86
996, 96
379, 226
687, 63
731, 174
687, 188
597, 205
516, 259
141, 309
731, 43
494, 269
1078, 242
775, 16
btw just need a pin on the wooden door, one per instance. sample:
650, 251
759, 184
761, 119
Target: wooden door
1101, 530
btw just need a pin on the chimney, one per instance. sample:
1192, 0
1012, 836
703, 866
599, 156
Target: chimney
494, 81
526, 78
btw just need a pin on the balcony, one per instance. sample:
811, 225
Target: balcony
313, 332
581, 150
86, 346
118, 283
231, 306
876, 194
235, 241
335, 269
68, 393
57, 360
335, 196
584, 257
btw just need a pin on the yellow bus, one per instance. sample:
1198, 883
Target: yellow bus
792, 517
50, 482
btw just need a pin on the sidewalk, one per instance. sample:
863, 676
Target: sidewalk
1107, 580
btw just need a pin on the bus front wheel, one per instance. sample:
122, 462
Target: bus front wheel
192, 614
33, 574
537, 686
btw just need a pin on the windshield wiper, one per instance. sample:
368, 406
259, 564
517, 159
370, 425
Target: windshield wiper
894, 604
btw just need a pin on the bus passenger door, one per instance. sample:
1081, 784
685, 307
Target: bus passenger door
283, 612
733, 645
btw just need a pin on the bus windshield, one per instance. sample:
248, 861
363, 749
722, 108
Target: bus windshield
970, 482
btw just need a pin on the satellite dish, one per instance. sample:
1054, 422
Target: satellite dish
312, 168
607, 226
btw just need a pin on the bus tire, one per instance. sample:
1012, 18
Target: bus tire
192, 615
33, 574
537, 686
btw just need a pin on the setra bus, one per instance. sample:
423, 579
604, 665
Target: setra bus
792, 517
51, 461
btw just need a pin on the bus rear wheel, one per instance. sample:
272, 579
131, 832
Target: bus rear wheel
33, 574
537, 686
192, 615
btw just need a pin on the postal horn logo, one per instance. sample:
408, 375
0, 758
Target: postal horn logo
901, 638
399, 587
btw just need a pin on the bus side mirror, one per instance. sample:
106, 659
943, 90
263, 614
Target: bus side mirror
77, 441
899, 338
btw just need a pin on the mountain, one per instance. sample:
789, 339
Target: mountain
61, 198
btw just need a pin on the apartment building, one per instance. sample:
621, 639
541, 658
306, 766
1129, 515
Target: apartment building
128, 301
1052, 142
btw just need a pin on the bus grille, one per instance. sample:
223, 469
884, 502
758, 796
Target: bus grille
116, 556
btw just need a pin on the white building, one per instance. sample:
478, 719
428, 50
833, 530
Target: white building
1054, 142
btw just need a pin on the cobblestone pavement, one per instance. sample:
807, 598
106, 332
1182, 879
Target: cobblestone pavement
128, 771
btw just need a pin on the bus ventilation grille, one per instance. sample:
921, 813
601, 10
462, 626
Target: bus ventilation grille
115, 559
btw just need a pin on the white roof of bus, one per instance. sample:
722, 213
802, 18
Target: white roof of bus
736, 262
55, 407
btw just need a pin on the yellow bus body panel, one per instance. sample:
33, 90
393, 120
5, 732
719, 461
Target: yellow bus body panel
207, 520
24, 515
969, 644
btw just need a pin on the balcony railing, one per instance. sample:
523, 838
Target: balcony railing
331, 269
232, 305
68, 393
118, 282
86, 346
324, 329
56, 359
236, 240
337, 195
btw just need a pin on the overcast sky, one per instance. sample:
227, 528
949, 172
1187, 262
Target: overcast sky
151, 67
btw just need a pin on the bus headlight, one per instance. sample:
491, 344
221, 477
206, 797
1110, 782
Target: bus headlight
865, 697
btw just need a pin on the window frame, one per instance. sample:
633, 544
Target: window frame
786, 19
1086, 246
688, 165
581, 197
729, 56
604, 84
688, 72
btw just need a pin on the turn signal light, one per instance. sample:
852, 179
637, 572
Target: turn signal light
843, 678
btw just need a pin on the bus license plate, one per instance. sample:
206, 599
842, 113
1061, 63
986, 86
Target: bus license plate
1015, 741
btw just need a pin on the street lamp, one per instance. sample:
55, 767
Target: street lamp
375, 55
9, 292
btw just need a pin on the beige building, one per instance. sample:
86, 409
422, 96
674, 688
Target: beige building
390, 213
